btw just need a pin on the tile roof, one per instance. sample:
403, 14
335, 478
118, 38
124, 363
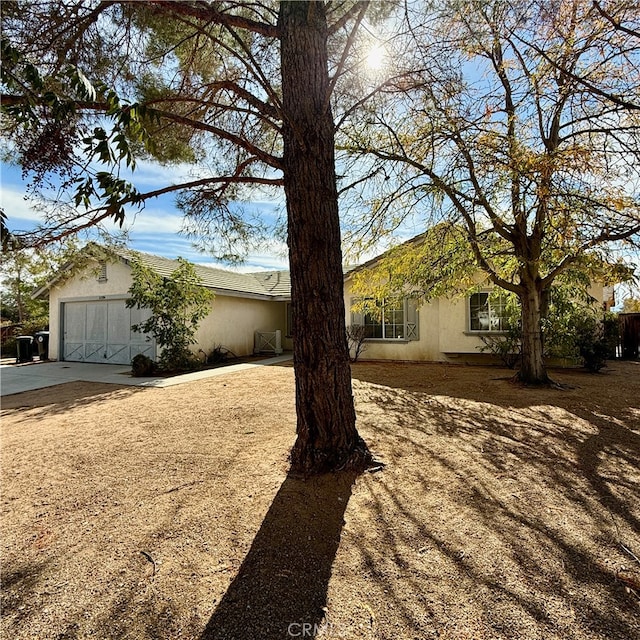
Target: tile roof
264, 284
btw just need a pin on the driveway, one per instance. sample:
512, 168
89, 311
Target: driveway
16, 378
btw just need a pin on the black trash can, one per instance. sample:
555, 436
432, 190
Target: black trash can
24, 347
42, 340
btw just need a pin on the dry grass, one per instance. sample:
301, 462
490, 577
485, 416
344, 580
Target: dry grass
168, 513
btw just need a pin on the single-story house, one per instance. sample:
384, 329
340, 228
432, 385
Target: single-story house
90, 322
441, 330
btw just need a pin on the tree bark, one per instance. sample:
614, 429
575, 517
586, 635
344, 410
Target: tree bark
327, 438
532, 368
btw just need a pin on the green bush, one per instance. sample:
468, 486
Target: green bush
595, 339
177, 306
142, 366
220, 355
506, 346
178, 357
33, 325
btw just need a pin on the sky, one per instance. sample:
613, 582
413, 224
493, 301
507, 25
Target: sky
152, 229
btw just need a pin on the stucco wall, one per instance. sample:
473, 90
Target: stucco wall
444, 332
435, 323
232, 321
454, 334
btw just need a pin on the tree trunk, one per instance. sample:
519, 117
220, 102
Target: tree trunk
327, 436
532, 368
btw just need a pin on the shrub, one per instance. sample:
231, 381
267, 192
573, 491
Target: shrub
33, 325
177, 306
356, 336
220, 355
507, 347
142, 366
595, 339
10, 348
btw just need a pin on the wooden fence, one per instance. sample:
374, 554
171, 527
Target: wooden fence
629, 348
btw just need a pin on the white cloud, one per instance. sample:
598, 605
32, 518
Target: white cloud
12, 200
155, 227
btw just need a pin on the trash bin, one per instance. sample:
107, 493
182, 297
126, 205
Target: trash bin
24, 348
42, 340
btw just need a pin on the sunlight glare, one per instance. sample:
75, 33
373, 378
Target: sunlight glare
375, 57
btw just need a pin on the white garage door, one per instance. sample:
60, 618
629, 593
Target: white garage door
100, 331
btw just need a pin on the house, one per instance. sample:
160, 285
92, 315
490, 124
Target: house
441, 330
90, 322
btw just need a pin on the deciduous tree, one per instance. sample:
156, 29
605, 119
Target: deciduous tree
498, 133
177, 304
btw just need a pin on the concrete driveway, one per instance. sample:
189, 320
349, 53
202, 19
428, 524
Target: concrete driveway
16, 378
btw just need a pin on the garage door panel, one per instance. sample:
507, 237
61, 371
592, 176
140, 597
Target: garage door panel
118, 323
101, 332
146, 349
75, 320
118, 354
94, 351
96, 323
73, 351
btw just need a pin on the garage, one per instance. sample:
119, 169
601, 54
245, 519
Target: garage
100, 331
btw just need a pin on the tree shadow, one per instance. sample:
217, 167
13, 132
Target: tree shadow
65, 397
541, 501
280, 590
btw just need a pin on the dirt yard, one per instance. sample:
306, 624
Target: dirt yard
167, 513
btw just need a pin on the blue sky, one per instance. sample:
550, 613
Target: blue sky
156, 227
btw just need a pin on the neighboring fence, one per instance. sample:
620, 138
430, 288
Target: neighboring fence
9, 331
629, 348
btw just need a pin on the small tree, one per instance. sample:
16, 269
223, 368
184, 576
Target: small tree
356, 336
177, 304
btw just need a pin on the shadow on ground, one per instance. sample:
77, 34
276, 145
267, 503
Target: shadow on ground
66, 397
522, 505
280, 590
503, 513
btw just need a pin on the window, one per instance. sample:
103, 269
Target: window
393, 321
487, 312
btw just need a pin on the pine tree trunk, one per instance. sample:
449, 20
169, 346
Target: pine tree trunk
327, 436
532, 368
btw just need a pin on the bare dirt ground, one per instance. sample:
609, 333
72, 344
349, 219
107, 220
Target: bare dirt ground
168, 513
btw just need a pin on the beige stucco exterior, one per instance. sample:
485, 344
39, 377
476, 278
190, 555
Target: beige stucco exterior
443, 324
232, 322
444, 334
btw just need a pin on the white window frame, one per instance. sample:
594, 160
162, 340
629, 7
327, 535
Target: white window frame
489, 318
